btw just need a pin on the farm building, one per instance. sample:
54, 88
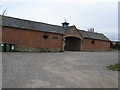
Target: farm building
36, 36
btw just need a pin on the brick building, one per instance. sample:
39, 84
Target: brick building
37, 36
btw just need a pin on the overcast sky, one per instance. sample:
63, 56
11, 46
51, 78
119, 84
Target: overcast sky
84, 14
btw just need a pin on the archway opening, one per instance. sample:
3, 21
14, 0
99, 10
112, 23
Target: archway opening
72, 44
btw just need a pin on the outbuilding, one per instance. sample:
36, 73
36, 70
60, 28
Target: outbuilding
37, 36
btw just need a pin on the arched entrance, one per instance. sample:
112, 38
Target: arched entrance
72, 44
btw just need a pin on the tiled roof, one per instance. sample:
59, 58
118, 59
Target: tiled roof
93, 35
39, 26
88, 34
32, 25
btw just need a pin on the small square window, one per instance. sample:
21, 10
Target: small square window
55, 38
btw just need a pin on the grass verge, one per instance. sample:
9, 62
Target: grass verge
115, 67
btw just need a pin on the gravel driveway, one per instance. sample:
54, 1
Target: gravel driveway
59, 70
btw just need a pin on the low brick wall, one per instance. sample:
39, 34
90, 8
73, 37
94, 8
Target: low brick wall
31, 49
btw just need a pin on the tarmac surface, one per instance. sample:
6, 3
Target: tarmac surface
59, 70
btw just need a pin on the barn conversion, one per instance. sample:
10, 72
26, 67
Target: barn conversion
36, 36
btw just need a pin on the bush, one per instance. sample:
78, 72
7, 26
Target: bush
115, 46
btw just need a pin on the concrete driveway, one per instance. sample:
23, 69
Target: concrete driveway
59, 70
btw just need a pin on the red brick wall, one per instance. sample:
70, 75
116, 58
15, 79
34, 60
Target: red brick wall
31, 38
98, 45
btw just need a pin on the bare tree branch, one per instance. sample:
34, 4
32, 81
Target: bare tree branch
4, 12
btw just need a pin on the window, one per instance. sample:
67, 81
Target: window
55, 38
45, 36
93, 42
